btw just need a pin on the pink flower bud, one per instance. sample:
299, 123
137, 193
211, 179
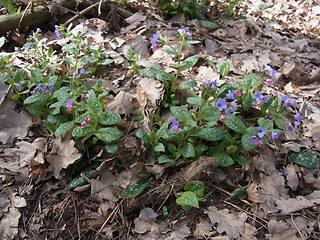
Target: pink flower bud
84, 124
222, 118
89, 119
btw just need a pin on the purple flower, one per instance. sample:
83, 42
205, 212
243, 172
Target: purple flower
69, 105
234, 104
298, 116
207, 82
38, 30
88, 80
183, 31
47, 91
271, 71
213, 85
18, 86
290, 128
274, 135
41, 86
56, 31
228, 112
297, 123
75, 74
33, 92
30, 45
257, 96
254, 140
51, 86
293, 102
230, 95
221, 104
261, 132
175, 125
83, 71
106, 56
154, 42
284, 98
269, 81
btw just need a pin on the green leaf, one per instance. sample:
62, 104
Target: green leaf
63, 128
172, 148
37, 108
235, 123
82, 131
111, 148
143, 135
188, 199
209, 134
240, 159
246, 142
94, 103
195, 186
135, 189
156, 72
223, 159
191, 42
211, 115
171, 51
159, 147
251, 81
164, 159
187, 85
40, 96
239, 193
224, 68
189, 62
108, 134
247, 101
267, 124
307, 159
279, 123
109, 118
182, 115
194, 100
199, 149
106, 62
187, 150
57, 119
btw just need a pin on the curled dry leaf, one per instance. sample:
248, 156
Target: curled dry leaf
9, 224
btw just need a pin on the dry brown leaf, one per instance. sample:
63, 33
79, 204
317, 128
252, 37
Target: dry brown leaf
292, 177
148, 214
203, 229
62, 154
291, 205
103, 188
142, 226
123, 103
9, 224
233, 224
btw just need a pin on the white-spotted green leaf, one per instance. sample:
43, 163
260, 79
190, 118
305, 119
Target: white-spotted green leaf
159, 147
63, 128
223, 159
111, 148
188, 199
187, 150
82, 131
187, 85
247, 101
246, 142
224, 68
57, 118
267, 124
240, 159
211, 116
143, 135
108, 134
209, 134
94, 103
189, 62
164, 159
109, 118
195, 186
194, 100
307, 159
236, 124
279, 123
40, 96
182, 115
135, 189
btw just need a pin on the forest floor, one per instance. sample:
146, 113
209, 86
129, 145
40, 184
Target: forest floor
283, 198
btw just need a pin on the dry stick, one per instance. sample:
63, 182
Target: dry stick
76, 216
106, 221
24, 13
300, 233
226, 192
99, 8
249, 214
81, 13
164, 201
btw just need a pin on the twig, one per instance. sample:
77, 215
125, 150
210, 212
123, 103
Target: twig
24, 13
226, 192
81, 13
164, 201
5, 95
99, 8
300, 233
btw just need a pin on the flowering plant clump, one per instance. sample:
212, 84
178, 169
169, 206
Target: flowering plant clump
184, 36
218, 121
58, 86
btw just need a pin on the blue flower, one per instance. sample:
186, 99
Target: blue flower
154, 42
175, 125
274, 135
221, 104
41, 86
298, 116
56, 31
38, 30
271, 72
261, 132
30, 45
83, 71
228, 112
257, 96
230, 95
183, 31
293, 102
75, 74
207, 82
18, 86
254, 140
234, 104
213, 85
51, 86
284, 98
